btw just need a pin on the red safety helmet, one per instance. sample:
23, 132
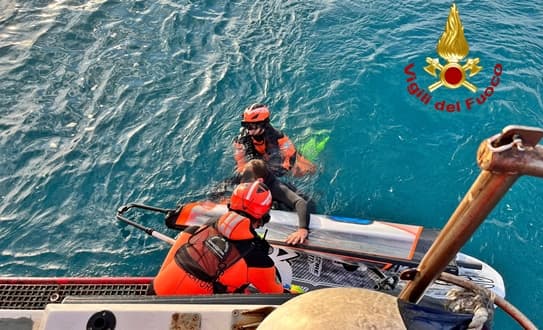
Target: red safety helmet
253, 198
256, 113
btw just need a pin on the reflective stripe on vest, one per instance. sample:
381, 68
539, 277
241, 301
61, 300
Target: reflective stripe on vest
227, 225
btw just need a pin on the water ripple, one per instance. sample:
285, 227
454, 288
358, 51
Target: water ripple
105, 102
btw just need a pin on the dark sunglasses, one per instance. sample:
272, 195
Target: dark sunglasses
252, 126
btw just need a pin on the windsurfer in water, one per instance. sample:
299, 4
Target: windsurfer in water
225, 255
256, 169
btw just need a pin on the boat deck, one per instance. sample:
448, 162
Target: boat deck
36, 293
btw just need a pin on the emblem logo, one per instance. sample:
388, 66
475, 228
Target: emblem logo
454, 73
453, 47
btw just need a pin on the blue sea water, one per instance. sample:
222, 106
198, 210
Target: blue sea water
105, 102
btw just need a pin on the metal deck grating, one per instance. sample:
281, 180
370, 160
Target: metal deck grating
37, 296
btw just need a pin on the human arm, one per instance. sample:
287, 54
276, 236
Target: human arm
264, 279
283, 194
300, 235
297, 237
288, 152
261, 270
244, 150
292, 160
239, 154
303, 166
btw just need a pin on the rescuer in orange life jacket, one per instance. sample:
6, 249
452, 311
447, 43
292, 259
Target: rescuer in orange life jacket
225, 255
258, 139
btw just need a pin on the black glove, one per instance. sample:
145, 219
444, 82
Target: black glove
250, 151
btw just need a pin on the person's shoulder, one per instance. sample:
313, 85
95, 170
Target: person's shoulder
281, 134
275, 133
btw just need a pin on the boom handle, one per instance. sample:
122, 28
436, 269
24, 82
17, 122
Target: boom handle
149, 231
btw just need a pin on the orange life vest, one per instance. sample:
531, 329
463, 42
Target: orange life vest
207, 254
205, 265
275, 148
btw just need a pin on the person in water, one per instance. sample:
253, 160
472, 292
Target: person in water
259, 140
226, 255
256, 169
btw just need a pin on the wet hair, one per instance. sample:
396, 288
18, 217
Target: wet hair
254, 169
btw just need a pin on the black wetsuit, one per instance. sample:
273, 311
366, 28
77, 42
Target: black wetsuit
286, 196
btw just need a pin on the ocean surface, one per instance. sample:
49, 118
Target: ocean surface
106, 102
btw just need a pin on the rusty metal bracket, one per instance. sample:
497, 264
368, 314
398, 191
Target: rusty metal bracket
408, 274
186, 321
530, 136
514, 151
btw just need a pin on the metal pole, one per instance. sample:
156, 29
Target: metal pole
483, 195
503, 158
